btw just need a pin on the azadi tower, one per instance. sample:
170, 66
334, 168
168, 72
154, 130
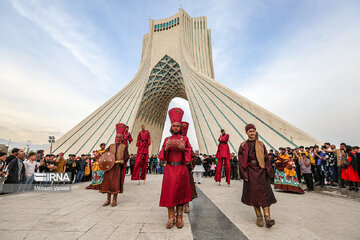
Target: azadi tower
176, 61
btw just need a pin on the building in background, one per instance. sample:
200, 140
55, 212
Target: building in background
176, 61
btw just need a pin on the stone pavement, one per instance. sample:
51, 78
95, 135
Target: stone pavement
297, 216
79, 215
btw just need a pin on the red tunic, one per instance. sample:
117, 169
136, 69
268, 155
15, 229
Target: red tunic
143, 142
223, 148
127, 138
176, 188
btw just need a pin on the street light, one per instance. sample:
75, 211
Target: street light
51, 141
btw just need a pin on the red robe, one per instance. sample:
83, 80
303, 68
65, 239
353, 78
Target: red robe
223, 152
142, 156
176, 188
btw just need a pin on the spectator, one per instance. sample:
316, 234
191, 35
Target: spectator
296, 158
331, 176
80, 168
158, 168
132, 162
12, 156
43, 161
16, 171
234, 167
102, 148
212, 169
153, 163
51, 164
61, 163
320, 171
305, 165
357, 155
71, 166
3, 173
350, 169
272, 158
30, 166
199, 168
206, 164
87, 171
127, 167
310, 155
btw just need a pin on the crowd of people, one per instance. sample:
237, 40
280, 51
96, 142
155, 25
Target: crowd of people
322, 166
19, 168
314, 165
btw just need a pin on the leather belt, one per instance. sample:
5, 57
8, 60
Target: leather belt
222, 143
175, 163
143, 140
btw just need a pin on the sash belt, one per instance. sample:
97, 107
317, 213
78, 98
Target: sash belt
175, 163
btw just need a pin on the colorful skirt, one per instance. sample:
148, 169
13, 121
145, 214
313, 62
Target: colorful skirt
287, 183
97, 178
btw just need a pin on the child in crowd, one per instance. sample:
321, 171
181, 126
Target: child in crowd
212, 169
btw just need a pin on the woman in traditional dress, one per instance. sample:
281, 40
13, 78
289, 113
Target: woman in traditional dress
349, 168
285, 175
97, 174
176, 190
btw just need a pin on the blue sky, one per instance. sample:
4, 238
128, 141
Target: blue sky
60, 60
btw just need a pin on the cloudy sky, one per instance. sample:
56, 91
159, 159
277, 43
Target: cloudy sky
60, 60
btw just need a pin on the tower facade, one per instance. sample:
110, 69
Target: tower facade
176, 61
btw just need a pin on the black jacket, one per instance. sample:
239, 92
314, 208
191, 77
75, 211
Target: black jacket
80, 165
9, 158
234, 161
13, 170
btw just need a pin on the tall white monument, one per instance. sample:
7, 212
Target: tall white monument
176, 61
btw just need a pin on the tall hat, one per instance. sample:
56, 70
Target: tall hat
176, 115
184, 128
120, 128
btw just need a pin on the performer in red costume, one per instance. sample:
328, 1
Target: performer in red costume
223, 155
113, 179
190, 167
141, 162
127, 140
176, 190
127, 137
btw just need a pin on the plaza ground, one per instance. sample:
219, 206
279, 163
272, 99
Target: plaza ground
79, 214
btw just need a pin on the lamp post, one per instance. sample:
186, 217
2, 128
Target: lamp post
51, 141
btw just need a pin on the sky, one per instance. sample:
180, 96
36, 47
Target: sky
60, 60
